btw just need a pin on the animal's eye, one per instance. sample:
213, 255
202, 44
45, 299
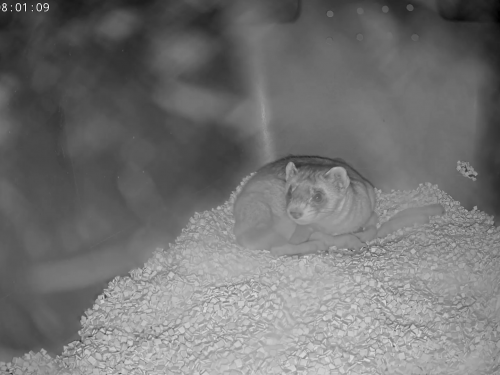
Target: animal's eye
317, 197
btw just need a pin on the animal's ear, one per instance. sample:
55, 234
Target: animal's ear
291, 170
338, 176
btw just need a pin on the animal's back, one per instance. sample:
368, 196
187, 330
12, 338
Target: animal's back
259, 203
259, 209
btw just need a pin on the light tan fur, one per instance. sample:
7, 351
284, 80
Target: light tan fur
305, 204
347, 205
259, 212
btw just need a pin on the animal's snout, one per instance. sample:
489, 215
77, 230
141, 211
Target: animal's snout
295, 214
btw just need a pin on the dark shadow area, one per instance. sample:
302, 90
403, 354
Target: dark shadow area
482, 18
96, 168
488, 140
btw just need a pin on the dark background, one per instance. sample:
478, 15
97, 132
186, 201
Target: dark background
120, 119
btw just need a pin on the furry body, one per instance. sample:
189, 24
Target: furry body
260, 210
329, 195
303, 204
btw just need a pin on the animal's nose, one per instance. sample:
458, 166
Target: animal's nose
295, 214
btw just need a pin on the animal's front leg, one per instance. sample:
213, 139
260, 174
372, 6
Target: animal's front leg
309, 247
343, 241
319, 241
369, 231
301, 234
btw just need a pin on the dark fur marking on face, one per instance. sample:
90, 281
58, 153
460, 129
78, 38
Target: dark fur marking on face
317, 196
288, 195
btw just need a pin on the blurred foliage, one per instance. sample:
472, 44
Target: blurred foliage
110, 137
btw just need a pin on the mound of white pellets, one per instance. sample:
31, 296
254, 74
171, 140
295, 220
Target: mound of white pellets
424, 300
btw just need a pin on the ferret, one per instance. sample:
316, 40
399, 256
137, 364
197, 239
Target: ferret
304, 204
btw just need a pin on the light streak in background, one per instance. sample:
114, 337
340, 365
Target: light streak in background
250, 31
261, 97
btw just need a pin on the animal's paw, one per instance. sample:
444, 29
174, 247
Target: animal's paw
367, 235
354, 243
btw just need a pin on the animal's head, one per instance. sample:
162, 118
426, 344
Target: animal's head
313, 193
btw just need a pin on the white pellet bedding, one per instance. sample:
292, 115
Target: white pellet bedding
422, 301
